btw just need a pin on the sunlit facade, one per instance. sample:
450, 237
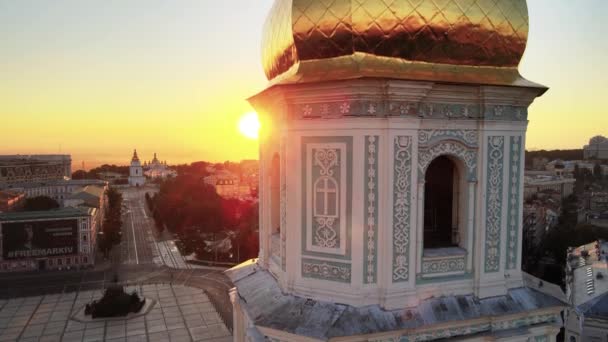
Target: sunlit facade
391, 181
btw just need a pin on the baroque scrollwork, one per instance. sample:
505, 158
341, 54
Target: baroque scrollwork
401, 207
443, 265
514, 198
428, 136
326, 190
371, 194
326, 270
494, 202
283, 203
459, 150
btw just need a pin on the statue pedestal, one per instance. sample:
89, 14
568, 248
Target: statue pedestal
82, 318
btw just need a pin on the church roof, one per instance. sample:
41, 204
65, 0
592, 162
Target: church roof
479, 41
135, 157
269, 307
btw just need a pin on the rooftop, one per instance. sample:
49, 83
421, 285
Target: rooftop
269, 307
68, 212
588, 276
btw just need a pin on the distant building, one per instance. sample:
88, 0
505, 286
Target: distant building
157, 169
52, 239
598, 202
587, 293
597, 148
11, 200
57, 189
34, 168
535, 183
110, 176
136, 172
226, 184
90, 196
539, 163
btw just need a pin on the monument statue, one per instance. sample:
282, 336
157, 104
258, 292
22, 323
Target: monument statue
115, 303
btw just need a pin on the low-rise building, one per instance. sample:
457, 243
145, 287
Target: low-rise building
57, 189
535, 183
52, 239
34, 168
11, 200
597, 148
228, 185
598, 202
587, 293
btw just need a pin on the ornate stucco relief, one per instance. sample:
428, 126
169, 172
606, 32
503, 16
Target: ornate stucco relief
427, 137
283, 203
326, 198
326, 270
454, 148
326, 186
366, 108
494, 188
446, 265
370, 237
402, 184
513, 219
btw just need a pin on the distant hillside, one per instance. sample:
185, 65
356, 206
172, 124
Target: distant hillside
554, 154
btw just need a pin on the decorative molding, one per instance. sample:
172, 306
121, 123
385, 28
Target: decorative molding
402, 185
443, 265
283, 202
513, 217
326, 270
526, 321
326, 193
452, 148
427, 137
483, 327
370, 262
506, 113
431, 110
447, 333
494, 188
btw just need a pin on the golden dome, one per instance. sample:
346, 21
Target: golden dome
472, 41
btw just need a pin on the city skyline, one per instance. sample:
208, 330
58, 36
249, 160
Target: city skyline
97, 80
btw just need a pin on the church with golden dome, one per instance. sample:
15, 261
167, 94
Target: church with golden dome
391, 192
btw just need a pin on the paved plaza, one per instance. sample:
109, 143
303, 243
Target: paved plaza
181, 313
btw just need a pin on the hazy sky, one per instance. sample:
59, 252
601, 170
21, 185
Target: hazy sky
98, 78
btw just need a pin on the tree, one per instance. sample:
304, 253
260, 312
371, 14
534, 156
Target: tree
79, 174
40, 203
597, 172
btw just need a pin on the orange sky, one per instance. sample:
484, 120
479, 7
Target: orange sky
99, 78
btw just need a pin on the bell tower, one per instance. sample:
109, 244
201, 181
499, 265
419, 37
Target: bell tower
391, 174
136, 172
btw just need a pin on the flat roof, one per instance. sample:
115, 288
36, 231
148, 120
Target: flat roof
68, 212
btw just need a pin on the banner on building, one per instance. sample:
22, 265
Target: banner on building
39, 239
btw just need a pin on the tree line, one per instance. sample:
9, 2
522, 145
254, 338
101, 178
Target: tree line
111, 232
211, 227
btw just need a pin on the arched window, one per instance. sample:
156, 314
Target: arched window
275, 191
442, 201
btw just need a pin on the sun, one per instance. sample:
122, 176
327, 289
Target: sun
249, 125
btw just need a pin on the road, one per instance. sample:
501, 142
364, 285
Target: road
141, 258
141, 243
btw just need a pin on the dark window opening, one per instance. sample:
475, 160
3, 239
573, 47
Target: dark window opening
441, 204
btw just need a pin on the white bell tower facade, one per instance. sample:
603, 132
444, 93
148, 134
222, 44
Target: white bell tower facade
391, 176
136, 172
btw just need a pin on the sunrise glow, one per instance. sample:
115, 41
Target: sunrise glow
249, 125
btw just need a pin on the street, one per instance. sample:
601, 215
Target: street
139, 259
